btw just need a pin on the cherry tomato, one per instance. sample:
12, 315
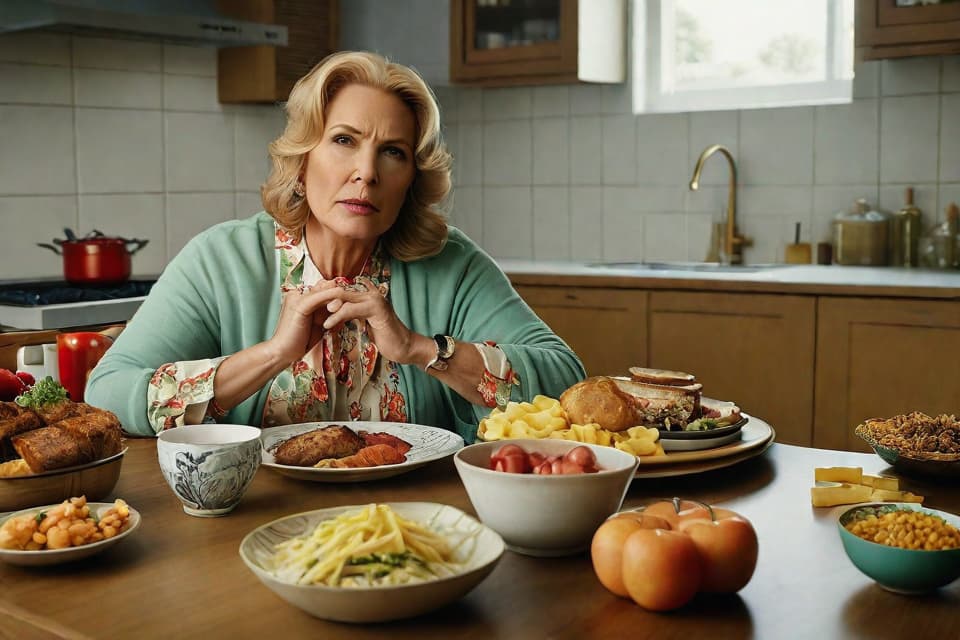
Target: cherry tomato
583, 457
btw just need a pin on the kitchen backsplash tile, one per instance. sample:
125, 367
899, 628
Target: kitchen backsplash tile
948, 193
551, 223
893, 197
189, 93
117, 89
47, 215
130, 55
34, 84
776, 146
139, 215
119, 150
845, 143
507, 153
551, 151
950, 137
508, 221
190, 213
199, 152
36, 154
139, 124
909, 76
192, 61
619, 150
909, 129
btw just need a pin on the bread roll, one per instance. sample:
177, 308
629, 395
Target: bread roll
599, 400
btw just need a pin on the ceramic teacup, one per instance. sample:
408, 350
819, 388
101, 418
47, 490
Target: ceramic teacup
209, 466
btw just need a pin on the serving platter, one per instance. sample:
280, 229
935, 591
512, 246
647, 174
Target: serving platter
694, 467
427, 444
48, 557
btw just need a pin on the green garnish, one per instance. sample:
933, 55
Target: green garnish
41, 516
44, 391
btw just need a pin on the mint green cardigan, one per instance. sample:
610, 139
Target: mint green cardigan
221, 294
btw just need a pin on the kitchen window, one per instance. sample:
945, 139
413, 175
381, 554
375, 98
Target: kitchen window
707, 55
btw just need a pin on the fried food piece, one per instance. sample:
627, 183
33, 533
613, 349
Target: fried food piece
385, 438
15, 419
62, 410
307, 449
916, 435
373, 456
70, 442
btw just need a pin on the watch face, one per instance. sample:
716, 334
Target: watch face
445, 346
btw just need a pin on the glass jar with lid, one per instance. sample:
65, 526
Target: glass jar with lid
860, 235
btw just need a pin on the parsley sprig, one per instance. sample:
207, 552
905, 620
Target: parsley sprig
44, 391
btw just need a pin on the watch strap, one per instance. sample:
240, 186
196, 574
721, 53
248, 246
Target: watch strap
446, 345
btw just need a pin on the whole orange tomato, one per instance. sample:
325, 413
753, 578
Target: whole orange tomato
661, 568
606, 549
728, 549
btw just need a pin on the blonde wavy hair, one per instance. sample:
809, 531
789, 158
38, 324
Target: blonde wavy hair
421, 228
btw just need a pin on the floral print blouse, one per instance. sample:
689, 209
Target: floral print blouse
341, 377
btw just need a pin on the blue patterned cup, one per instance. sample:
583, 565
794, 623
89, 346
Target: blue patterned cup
209, 466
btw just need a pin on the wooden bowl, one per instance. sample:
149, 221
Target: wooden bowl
94, 480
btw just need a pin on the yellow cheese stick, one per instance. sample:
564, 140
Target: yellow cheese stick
881, 482
832, 494
851, 475
886, 495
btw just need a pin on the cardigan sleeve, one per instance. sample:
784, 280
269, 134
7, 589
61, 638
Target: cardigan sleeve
175, 323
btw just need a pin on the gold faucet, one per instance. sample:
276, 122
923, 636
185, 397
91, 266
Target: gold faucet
733, 242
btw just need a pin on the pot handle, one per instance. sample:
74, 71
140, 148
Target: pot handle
137, 245
56, 250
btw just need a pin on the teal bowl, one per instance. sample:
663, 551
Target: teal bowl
900, 570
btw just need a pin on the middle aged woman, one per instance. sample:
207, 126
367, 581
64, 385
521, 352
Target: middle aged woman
350, 298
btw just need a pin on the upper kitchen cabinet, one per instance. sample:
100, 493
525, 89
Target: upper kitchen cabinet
903, 28
266, 73
512, 42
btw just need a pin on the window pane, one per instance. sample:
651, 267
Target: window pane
729, 44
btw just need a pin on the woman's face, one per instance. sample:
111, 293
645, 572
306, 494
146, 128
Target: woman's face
358, 174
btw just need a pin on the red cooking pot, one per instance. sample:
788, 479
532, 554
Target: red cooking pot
96, 259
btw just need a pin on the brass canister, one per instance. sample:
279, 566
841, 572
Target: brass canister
860, 236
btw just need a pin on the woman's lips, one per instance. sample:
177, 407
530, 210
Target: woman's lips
359, 207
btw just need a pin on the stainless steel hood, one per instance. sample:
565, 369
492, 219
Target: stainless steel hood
189, 22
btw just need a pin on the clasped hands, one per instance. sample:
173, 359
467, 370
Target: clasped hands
308, 312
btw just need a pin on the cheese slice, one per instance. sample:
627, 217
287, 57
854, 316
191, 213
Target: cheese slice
831, 494
881, 482
887, 495
852, 475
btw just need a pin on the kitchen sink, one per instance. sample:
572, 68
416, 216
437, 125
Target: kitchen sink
708, 267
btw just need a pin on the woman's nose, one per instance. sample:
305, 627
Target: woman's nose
366, 170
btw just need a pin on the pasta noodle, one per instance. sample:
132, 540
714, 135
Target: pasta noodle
373, 546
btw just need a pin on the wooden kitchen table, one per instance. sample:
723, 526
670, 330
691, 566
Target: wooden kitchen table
178, 576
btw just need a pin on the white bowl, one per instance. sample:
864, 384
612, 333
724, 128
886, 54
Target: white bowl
209, 466
480, 553
545, 515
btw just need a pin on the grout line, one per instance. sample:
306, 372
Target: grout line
76, 149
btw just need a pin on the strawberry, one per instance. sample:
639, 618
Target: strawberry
26, 378
10, 385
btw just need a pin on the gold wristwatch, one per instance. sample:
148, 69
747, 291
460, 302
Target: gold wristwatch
445, 349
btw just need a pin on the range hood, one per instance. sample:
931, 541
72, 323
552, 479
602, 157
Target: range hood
188, 22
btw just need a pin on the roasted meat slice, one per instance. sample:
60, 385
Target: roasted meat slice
62, 410
374, 455
385, 438
307, 449
15, 419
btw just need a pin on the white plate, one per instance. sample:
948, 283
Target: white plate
754, 434
670, 444
691, 468
427, 444
480, 552
47, 557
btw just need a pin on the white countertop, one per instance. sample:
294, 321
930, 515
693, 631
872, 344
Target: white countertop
832, 275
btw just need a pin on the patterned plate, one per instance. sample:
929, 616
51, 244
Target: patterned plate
428, 444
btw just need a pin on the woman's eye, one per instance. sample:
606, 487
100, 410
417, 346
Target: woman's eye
395, 152
341, 139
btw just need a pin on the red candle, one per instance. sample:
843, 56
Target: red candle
77, 354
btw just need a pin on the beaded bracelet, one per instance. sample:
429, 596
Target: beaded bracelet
215, 410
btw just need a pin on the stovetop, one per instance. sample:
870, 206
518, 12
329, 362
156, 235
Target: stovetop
59, 292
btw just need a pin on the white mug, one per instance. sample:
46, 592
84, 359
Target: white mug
39, 360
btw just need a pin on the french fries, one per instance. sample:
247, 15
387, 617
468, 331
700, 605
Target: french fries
545, 418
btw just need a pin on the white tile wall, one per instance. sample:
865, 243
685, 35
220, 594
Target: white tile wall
129, 137
125, 137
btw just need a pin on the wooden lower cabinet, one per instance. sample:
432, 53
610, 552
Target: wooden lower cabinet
880, 358
605, 327
754, 349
